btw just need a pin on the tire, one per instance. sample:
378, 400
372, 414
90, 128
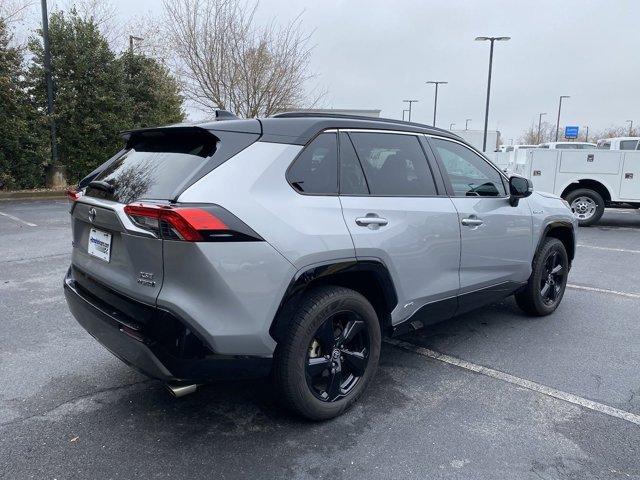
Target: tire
533, 299
587, 205
322, 317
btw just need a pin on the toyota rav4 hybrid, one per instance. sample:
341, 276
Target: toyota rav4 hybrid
292, 244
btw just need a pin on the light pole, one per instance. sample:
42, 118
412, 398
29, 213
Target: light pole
435, 99
630, 122
466, 123
451, 126
49, 80
486, 112
586, 137
403, 112
410, 102
133, 38
559, 110
540, 125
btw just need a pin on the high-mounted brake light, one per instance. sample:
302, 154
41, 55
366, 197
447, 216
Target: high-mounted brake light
190, 224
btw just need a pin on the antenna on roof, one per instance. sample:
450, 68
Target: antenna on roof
225, 115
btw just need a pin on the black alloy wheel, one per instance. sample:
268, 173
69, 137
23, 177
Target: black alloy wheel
553, 278
338, 356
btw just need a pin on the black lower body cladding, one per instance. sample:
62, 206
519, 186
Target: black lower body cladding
162, 347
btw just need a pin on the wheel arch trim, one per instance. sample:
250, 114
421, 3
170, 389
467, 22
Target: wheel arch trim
566, 225
324, 272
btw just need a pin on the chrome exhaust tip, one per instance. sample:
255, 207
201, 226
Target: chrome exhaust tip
181, 390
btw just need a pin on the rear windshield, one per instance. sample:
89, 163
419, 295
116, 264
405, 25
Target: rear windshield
153, 165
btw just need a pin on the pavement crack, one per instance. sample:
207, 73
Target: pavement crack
71, 401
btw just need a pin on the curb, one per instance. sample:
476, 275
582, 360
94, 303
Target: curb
34, 195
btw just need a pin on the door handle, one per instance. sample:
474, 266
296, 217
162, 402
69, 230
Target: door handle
371, 221
471, 222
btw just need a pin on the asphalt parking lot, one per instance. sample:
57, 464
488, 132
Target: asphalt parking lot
69, 409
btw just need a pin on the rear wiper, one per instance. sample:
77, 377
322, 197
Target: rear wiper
101, 185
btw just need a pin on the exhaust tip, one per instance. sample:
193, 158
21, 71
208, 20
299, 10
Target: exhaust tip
181, 390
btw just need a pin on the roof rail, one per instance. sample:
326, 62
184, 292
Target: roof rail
351, 117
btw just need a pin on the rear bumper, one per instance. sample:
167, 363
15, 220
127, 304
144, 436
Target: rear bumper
133, 343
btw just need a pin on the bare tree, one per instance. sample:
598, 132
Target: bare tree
226, 61
530, 135
12, 11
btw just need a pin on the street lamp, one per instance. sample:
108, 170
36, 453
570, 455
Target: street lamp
410, 102
586, 137
49, 81
451, 126
466, 123
540, 125
559, 109
132, 39
630, 122
486, 112
403, 112
435, 100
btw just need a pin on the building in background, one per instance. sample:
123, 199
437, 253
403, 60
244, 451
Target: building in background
475, 137
341, 111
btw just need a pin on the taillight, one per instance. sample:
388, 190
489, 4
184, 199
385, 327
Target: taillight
190, 223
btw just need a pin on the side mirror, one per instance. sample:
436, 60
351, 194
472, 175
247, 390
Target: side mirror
519, 187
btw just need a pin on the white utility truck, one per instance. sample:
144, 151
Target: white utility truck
589, 180
619, 143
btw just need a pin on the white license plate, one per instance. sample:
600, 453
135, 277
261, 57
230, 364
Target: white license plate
99, 244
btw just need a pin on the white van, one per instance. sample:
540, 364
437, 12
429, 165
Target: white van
568, 145
619, 143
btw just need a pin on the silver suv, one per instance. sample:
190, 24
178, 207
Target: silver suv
290, 245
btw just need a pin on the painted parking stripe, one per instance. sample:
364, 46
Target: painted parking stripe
609, 249
604, 290
19, 220
521, 382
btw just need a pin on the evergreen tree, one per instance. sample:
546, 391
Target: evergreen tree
89, 92
152, 93
22, 152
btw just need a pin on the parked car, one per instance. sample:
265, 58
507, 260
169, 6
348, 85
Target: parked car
619, 143
514, 148
568, 146
589, 181
293, 243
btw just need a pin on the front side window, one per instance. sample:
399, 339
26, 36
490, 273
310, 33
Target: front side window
470, 175
605, 146
394, 164
315, 171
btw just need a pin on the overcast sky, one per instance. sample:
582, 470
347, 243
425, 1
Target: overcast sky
375, 53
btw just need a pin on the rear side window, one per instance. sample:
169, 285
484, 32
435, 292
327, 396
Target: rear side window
352, 181
470, 175
153, 165
628, 144
394, 164
315, 171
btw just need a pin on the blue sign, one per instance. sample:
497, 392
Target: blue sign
571, 132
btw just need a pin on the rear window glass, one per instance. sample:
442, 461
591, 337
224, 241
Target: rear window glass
153, 166
628, 144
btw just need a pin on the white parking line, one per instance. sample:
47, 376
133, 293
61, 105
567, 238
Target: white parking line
18, 219
609, 249
521, 382
603, 290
